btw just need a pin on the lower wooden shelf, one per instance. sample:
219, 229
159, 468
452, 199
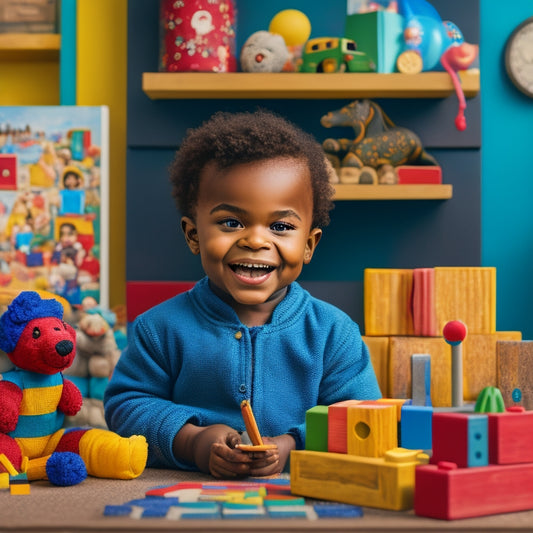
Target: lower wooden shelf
392, 192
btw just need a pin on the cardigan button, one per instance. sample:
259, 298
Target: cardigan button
238, 335
242, 388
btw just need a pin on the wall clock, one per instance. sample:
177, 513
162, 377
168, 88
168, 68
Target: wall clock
519, 57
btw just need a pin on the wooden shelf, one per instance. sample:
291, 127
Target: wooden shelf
243, 85
392, 192
30, 46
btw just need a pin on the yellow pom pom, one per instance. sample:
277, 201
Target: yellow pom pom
292, 25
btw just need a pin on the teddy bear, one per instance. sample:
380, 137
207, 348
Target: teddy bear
96, 356
35, 397
264, 52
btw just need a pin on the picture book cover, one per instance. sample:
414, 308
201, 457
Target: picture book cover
54, 202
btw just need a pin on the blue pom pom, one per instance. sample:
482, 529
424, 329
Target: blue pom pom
65, 469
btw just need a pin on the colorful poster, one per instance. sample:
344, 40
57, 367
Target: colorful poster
54, 201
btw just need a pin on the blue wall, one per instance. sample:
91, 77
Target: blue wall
507, 173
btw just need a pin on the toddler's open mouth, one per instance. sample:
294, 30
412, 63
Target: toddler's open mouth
251, 270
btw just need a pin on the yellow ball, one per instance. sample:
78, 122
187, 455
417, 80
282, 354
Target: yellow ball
292, 25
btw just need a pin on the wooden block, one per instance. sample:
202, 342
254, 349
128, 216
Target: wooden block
401, 350
511, 436
480, 361
418, 174
416, 427
397, 402
385, 482
467, 294
387, 301
461, 439
449, 493
424, 318
337, 426
316, 428
19, 489
378, 348
4, 480
514, 362
372, 429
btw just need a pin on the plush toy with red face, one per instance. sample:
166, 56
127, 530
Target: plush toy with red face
34, 399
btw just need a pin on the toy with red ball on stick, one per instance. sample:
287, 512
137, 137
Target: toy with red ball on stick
454, 334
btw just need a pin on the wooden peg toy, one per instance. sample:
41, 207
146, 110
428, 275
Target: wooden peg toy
454, 334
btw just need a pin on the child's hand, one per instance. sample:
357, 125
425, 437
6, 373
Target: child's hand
215, 452
271, 462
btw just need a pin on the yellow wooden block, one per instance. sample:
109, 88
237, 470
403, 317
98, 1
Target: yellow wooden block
387, 301
19, 488
467, 294
378, 348
397, 402
401, 350
385, 482
4, 480
372, 430
480, 368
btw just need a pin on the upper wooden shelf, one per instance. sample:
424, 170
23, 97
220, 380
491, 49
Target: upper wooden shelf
30, 46
392, 192
241, 85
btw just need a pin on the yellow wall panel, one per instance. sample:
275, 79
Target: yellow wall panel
101, 80
29, 83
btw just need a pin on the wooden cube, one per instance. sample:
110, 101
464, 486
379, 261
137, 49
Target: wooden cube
480, 368
401, 350
372, 430
378, 347
387, 305
515, 372
467, 294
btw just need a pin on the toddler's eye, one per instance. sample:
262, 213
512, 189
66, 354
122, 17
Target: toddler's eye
231, 223
36, 333
281, 227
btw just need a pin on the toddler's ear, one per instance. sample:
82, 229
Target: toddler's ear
191, 235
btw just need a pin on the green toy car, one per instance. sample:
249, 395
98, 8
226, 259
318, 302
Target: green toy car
334, 54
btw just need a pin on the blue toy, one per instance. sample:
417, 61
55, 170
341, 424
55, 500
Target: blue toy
428, 41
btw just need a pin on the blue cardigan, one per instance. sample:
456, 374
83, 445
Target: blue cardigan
190, 359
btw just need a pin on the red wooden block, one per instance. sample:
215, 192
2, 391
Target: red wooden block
460, 438
418, 174
337, 425
511, 436
447, 492
424, 318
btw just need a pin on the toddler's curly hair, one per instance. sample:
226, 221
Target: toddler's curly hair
229, 139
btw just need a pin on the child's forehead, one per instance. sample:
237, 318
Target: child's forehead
213, 169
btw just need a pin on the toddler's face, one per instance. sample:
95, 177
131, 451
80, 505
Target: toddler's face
254, 228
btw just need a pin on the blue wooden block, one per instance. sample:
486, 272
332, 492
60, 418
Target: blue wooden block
157, 511
337, 510
117, 510
416, 427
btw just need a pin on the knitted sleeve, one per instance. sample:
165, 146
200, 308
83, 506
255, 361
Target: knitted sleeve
348, 372
138, 398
